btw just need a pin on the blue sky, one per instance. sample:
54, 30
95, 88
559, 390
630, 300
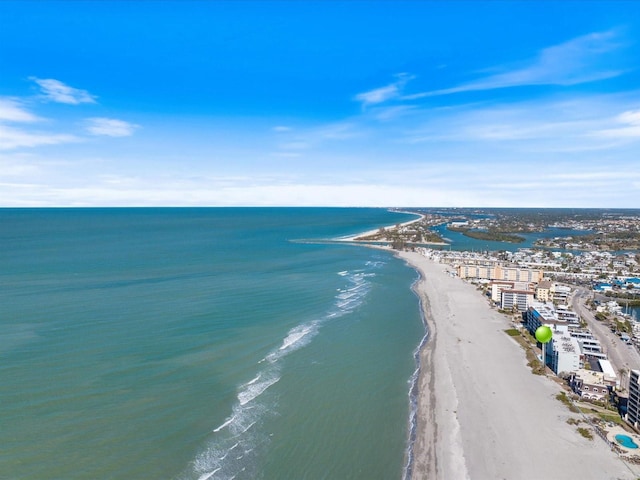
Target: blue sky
351, 103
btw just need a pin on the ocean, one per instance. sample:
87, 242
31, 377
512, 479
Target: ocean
203, 343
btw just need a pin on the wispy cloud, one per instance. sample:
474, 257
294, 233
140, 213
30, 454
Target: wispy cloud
11, 110
12, 138
16, 165
110, 127
580, 60
570, 124
383, 94
56, 91
630, 128
307, 140
388, 113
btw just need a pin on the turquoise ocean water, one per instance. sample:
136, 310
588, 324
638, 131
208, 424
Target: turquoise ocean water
202, 344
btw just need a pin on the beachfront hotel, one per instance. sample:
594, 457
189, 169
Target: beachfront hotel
539, 314
499, 272
516, 300
563, 351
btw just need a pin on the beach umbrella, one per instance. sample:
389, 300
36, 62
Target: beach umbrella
543, 335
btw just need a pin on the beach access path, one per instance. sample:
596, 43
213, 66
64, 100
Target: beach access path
482, 414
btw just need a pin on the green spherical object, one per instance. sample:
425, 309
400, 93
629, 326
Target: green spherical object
543, 334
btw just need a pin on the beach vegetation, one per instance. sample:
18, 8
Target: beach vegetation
534, 364
562, 397
527, 344
585, 432
398, 243
573, 421
623, 325
613, 418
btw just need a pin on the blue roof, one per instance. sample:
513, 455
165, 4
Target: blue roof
633, 280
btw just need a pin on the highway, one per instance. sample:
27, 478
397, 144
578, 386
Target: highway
620, 354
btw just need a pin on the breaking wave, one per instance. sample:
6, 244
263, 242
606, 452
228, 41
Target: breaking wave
235, 445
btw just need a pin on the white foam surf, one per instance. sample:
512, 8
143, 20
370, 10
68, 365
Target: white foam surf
237, 443
225, 424
209, 475
253, 391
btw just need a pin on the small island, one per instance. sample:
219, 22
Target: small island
492, 234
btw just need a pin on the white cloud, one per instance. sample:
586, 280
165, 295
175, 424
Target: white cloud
632, 117
281, 128
552, 126
580, 60
110, 127
11, 138
56, 91
379, 95
315, 138
382, 94
11, 110
394, 112
17, 166
471, 181
631, 129
449, 186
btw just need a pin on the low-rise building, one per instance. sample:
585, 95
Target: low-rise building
609, 372
610, 307
561, 293
543, 291
496, 290
589, 345
590, 385
565, 314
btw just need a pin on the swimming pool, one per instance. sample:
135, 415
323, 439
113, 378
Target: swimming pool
626, 441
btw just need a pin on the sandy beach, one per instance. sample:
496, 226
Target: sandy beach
351, 238
482, 414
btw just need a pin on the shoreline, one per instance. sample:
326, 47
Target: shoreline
354, 238
480, 412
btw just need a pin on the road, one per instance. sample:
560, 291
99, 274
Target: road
620, 354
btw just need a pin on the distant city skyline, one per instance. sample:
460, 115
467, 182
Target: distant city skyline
337, 103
